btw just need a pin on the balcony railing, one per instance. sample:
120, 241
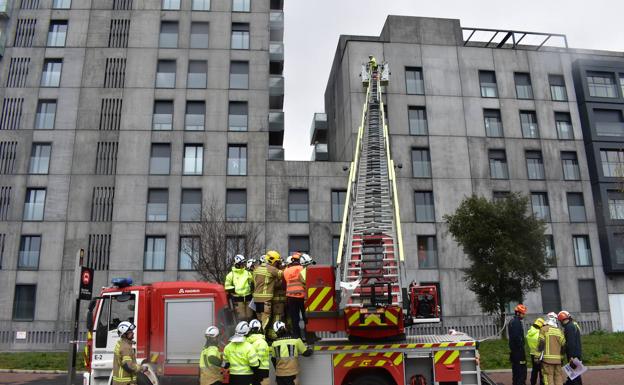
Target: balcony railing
321, 152
318, 129
276, 20
4, 8
276, 121
2, 44
276, 153
276, 85
276, 51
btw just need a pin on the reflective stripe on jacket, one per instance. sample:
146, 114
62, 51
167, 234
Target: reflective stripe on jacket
294, 286
265, 278
286, 352
259, 343
242, 357
240, 281
551, 342
125, 356
208, 372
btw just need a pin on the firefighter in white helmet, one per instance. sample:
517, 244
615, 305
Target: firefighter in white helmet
211, 359
240, 357
285, 352
125, 367
257, 339
239, 286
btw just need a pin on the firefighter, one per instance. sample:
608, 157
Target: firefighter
125, 367
240, 357
257, 340
239, 285
278, 303
517, 354
211, 359
285, 353
306, 261
250, 265
551, 345
573, 348
532, 338
295, 293
372, 62
265, 277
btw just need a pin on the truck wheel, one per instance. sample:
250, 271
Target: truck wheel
371, 379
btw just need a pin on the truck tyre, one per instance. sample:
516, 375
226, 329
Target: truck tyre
371, 379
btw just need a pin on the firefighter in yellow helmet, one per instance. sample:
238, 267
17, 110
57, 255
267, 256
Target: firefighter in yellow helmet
532, 338
125, 367
211, 359
239, 286
266, 277
285, 352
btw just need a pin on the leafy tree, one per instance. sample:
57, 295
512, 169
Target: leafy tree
505, 245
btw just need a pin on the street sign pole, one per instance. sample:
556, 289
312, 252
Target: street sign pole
73, 344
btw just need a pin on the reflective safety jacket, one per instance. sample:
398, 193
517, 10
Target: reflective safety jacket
551, 342
286, 352
259, 343
265, 278
242, 358
209, 371
125, 366
294, 286
532, 338
239, 280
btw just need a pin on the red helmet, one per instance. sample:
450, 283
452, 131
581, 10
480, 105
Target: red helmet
563, 315
520, 308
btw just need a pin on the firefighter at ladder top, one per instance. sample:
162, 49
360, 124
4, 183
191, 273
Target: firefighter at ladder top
239, 286
125, 368
265, 277
551, 347
211, 359
285, 353
240, 357
572, 332
517, 355
295, 293
257, 340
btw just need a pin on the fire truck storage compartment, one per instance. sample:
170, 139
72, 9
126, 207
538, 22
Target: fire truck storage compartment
186, 321
317, 369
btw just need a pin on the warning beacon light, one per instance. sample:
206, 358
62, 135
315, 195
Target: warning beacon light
121, 282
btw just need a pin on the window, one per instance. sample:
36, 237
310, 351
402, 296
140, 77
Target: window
524, 90
160, 159
576, 207
241, 5
171, 4
168, 34
417, 120
582, 251
528, 122
498, 164
163, 115
551, 254
57, 33
236, 205
237, 159
191, 207
190, 250
30, 247
34, 204
61, 4
199, 35
424, 206
24, 302
46, 114
239, 74
155, 253
237, 117
499, 196
601, 84
338, 199
234, 245
298, 243
197, 74
166, 74
563, 122
240, 35
193, 159
551, 300
541, 209
195, 115
618, 245
421, 163
609, 122
414, 83
587, 295
616, 205
612, 163
427, 252
157, 205
487, 81
298, 206
335, 246
40, 158
535, 165
557, 88
51, 75
201, 5
570, 165
493, 123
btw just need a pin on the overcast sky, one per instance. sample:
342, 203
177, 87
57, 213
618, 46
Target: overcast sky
312, 28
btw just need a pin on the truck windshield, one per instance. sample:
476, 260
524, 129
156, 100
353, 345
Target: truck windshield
113, 311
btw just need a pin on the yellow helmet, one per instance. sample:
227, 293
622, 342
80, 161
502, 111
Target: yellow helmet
539, 322
272, 257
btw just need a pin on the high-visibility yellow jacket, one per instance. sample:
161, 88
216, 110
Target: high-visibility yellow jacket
239, 280
209, 371
286, 352
242, 357
124, 363
259, 343
532, 338
552, 343
265, 278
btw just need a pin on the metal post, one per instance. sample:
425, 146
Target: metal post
73, 345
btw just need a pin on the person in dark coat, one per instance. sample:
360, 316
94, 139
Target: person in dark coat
517, 354
573, 348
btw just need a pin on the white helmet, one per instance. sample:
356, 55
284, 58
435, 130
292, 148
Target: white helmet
262, 258
212, 332
125, 327
255, 325
552, 315
289, 260
306, 260
552, 322
239, 259
242, 329
279, 325
250, 263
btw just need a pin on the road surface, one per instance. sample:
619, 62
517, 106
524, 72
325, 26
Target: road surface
592, 377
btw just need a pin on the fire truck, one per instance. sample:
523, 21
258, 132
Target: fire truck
363, 298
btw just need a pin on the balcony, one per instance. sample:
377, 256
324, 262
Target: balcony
4, 9
321, 152
276, 92
276, 153
276, 121
2, 43
318, 129
276, 26
276, 51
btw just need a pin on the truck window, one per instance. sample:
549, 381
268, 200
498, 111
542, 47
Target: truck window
114, 310
101, 330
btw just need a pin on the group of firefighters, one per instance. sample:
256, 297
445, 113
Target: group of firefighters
551, 343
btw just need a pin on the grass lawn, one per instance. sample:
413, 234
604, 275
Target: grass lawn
599, 348
40, 361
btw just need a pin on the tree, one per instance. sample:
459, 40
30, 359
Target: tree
219, 240
505, 246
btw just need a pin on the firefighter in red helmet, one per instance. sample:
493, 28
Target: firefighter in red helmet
517, 355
